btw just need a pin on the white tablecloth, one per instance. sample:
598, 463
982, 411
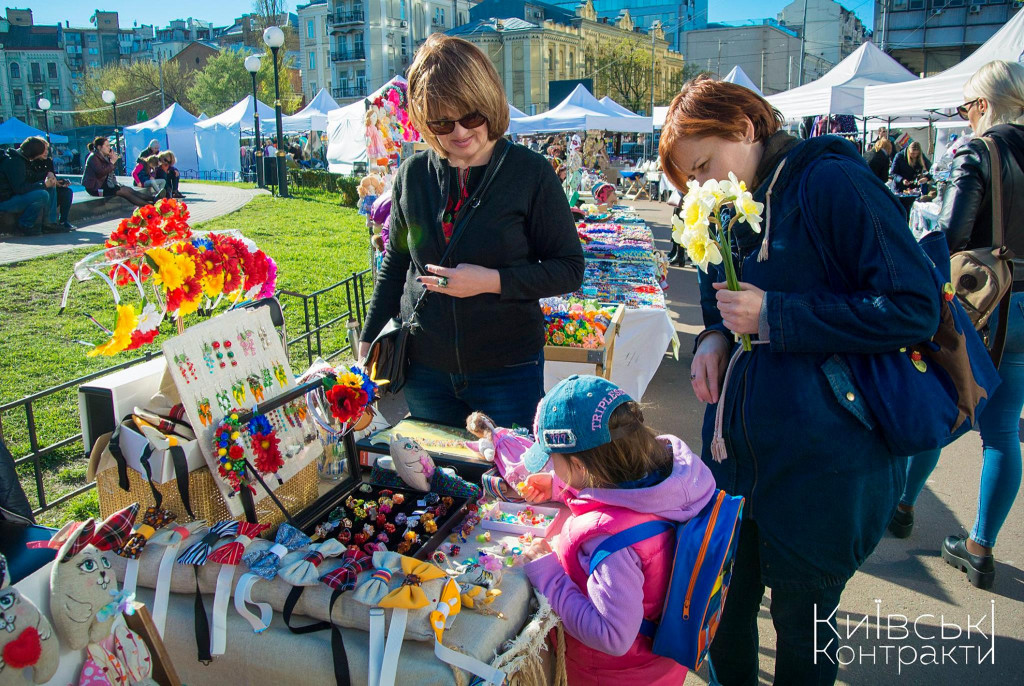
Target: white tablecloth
644, 336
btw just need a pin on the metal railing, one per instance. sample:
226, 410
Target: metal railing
355, 289
347, 55
349, 92
339, 18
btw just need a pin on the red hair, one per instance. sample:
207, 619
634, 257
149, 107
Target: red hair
706, 107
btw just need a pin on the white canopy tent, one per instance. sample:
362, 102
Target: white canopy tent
944, 92
580, 111
218, 138
740, 78
174, 129
312, 117
660, 113
514, 112
616, 107
346, 132
841, 90
203, 116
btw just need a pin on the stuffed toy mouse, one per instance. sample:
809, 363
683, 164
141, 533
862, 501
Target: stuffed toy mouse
410, 465
503, 447
26, 638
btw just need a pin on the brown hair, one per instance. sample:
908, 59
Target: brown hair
152, 161
630, 457
706, 107
97, 143
168, 157
33, 147
452, 77
478, 423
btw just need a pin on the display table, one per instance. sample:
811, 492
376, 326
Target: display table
644, 336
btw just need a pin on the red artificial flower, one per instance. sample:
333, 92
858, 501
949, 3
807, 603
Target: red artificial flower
232, 275
268, 454
140, 339
347, 403
175, 298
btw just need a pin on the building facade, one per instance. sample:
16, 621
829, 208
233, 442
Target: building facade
315, 48
929, 36
556, 46
370, 43
676, 16
768, 52
833, 32
33, 66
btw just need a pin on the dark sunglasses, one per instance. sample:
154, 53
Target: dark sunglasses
962, 110
442, 127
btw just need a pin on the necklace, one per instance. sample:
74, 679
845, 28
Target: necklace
454, 205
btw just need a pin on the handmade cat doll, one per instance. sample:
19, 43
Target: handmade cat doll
503, 447
26, 638
413, 466
82, 583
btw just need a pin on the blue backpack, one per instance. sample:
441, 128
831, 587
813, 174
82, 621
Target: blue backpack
701, 572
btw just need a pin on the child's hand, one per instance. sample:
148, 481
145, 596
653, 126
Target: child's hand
539, 548
538, 488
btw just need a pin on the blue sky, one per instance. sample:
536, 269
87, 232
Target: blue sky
222, 13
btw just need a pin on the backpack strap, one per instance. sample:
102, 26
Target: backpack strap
628, 537
999, 241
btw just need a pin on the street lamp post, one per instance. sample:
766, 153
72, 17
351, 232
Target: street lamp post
274, 38
111, 99
252, 65
44, 105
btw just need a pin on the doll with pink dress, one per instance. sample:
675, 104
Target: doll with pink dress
503, 447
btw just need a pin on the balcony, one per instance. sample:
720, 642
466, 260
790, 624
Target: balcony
348, 55
345, 21
348, 92
35, 78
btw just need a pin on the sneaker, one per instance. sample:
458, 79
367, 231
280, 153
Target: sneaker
68, 226
53, 228
179, 195
902, 523
980, 569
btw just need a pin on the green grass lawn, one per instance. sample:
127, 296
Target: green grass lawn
314, 241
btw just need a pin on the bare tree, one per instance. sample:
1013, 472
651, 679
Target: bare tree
268, 13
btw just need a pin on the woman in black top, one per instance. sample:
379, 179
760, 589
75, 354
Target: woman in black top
878, 158
479, 339
908, 167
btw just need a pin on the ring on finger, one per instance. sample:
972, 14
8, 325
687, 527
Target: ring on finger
442, 282
692, 377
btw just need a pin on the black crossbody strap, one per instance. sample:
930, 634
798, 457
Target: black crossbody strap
461, 226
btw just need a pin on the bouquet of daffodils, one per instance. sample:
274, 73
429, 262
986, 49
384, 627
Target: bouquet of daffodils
705, 226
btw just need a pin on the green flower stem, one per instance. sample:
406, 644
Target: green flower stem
731, 280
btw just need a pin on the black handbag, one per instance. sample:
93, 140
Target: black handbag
388, 357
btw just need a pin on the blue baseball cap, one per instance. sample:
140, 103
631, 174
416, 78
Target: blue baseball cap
573, 417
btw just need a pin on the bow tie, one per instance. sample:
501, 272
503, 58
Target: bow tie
299, 568
410, 595
344, 577
197, 553
154, 519
110, 534
172, 535
231, 554
385, 565
264, 563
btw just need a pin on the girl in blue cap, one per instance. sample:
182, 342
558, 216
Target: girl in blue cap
612, 472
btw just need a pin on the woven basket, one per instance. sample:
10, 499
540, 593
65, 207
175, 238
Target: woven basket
207, 502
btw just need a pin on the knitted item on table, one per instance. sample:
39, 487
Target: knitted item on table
440, 483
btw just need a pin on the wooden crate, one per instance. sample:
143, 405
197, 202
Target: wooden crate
601, 357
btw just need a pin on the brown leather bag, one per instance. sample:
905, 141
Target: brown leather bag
983, 277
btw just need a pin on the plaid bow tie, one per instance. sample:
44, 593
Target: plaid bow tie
154, 519
299, 569
231, 554
386, 564
344, 577
197, 553
110, 534
264, 563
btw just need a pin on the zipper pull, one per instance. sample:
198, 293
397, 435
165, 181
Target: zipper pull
476, 203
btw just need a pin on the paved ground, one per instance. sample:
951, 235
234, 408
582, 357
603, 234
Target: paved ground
204, 202
902, 577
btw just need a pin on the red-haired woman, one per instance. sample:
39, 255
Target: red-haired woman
834, 270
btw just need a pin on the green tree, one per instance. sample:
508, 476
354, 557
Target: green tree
137, 83
224, 81
690, 71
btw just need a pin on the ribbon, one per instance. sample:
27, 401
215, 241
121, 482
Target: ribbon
448, 606
408, 596
122, 602
265, 563
171, 538
196, 555
228, 556
299, 568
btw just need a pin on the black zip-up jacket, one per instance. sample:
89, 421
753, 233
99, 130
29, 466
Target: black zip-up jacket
14, 175
522, 227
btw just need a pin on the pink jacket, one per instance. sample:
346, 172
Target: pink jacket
602, 612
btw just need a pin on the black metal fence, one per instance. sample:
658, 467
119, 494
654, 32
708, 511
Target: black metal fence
319, 316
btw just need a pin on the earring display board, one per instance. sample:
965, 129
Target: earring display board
232, 362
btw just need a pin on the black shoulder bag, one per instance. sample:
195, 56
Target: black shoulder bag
388, 357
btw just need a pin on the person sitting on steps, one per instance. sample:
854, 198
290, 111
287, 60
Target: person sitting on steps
19, 193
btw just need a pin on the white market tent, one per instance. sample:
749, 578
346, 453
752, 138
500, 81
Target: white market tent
14, 131
945, 91
203, 116
660, 113
580, 111
740, 78
174, 129
346, 132
218, 138
514, 112
841, 90
312, 117
616, 107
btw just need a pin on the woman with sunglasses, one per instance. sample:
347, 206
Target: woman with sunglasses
479, 336
995, 110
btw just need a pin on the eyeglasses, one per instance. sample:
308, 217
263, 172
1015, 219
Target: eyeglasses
442, 127
964, 109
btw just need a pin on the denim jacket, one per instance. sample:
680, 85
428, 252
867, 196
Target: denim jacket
801, 445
